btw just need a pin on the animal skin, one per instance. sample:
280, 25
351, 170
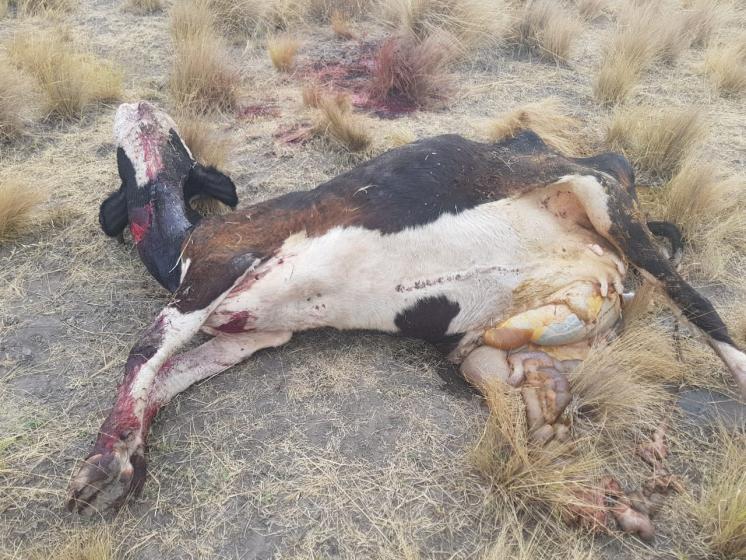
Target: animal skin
477, 248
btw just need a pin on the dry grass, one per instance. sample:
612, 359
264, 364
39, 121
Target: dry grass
471, 22
72, 80
548, 118
703, 18
412, 70
656, 140
710, 209
533, 479
243, 19
725, 65
143, 7
337, 123
590, 10
208, 146
722, 507
203, 78
282, 50
545, 28
20, 206
41, 7
191, 20
81, 545
341, 25
15, 98
643, 35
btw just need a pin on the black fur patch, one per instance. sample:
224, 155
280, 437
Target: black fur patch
428, 319
112, 214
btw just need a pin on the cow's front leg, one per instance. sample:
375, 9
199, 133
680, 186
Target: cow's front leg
116, 465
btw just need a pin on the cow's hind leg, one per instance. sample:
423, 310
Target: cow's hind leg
116, 466
616, 216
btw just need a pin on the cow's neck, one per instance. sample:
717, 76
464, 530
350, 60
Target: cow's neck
159, 223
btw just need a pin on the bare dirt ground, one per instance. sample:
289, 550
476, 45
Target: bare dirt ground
349, 445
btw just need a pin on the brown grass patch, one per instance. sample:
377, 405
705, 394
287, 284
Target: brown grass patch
657, 141
203, 78
702, 19
471, 22
722, 507
191, 21
337, 123
208, 146
413, 71
710, 209
20, 207
341, 25
143, 7
547, 118
81, 545
39, 7
544, 28
242, 19
590, 10
15, 95
282, 50
725, 65
643, 35
72, 80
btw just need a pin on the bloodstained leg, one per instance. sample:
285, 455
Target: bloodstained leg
116, 466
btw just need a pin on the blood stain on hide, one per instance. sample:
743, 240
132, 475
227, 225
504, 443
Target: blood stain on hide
140, 220
428, 319
236, 324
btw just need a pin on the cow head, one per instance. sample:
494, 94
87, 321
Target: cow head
150, 150
159, 176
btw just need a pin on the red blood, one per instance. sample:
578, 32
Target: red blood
236, 324
140, 221
258, 110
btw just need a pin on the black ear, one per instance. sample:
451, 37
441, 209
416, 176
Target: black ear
208, 181
113, 214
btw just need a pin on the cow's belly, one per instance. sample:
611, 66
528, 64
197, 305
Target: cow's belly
353, 278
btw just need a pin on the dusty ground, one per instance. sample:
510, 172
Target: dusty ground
345, 445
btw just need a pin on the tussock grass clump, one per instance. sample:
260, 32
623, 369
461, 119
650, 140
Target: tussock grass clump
242, 19
725, 65
282, 50
337, 123
702, 19
643, 35
722, 507
656, 141
143, 7
72, 80
207, 145
618, 386
547, 118
341, 25
544, 28
191, 20
530, 477
39, 7
710, 209
202, 78
471, 22
20, 207
413, 71
590, 9
15, 93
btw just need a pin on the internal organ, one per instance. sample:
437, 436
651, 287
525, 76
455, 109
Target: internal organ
576, 314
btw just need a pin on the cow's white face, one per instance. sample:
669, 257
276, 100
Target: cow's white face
141, 130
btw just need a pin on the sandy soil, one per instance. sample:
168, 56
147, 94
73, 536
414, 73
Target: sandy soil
347, 445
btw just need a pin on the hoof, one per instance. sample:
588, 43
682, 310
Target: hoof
105, 480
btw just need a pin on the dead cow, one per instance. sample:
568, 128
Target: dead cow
510, 256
